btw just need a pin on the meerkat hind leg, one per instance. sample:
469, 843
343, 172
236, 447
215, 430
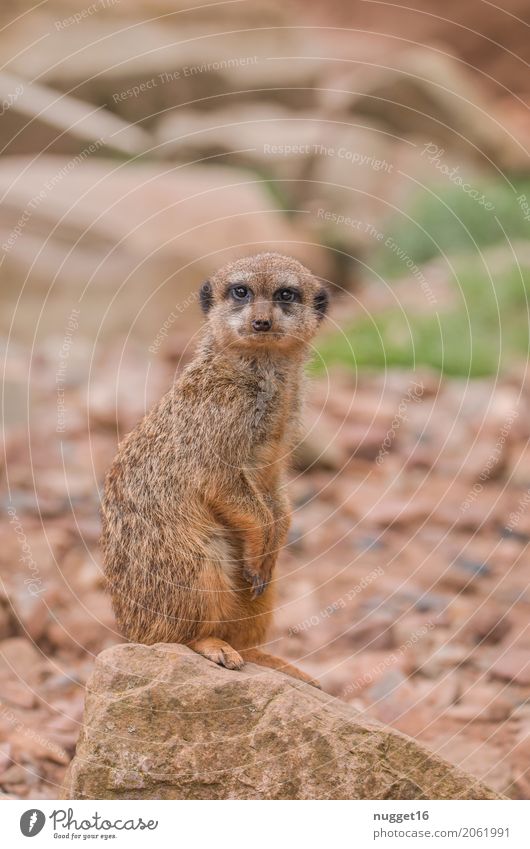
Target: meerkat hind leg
218, 651
263, 659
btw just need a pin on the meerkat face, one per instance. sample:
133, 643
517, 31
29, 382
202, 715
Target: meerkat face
264, 302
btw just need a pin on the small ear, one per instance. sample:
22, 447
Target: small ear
206, 297
321, 302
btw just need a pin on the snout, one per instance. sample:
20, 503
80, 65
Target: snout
261, 325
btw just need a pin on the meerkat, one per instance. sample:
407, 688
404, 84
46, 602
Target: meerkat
195, 508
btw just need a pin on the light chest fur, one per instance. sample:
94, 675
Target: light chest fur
276, 417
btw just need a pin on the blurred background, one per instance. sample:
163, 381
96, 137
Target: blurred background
142, 145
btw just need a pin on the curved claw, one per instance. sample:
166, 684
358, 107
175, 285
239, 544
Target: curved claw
258, 584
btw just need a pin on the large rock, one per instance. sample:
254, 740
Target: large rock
163, 723
138, 68
423, 94
126, 245
38, 118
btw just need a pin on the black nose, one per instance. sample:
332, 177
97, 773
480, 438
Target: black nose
261, 324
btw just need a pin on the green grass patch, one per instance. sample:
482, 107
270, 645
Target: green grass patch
449, 222
488, 327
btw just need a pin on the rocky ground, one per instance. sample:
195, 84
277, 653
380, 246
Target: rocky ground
404, 586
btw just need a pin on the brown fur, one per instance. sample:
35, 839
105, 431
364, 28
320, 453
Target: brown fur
195, 510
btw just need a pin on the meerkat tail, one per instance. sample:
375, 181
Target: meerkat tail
264, 659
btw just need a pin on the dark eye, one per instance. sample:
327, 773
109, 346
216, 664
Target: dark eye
239, 293
287, 296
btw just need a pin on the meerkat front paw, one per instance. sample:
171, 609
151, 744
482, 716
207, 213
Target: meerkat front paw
256, 581
259, 576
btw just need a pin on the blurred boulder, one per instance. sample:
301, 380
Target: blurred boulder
325, 167
96, 248
185, 57
38, 118
425, 95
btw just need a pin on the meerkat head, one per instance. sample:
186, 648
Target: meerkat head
264, 302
